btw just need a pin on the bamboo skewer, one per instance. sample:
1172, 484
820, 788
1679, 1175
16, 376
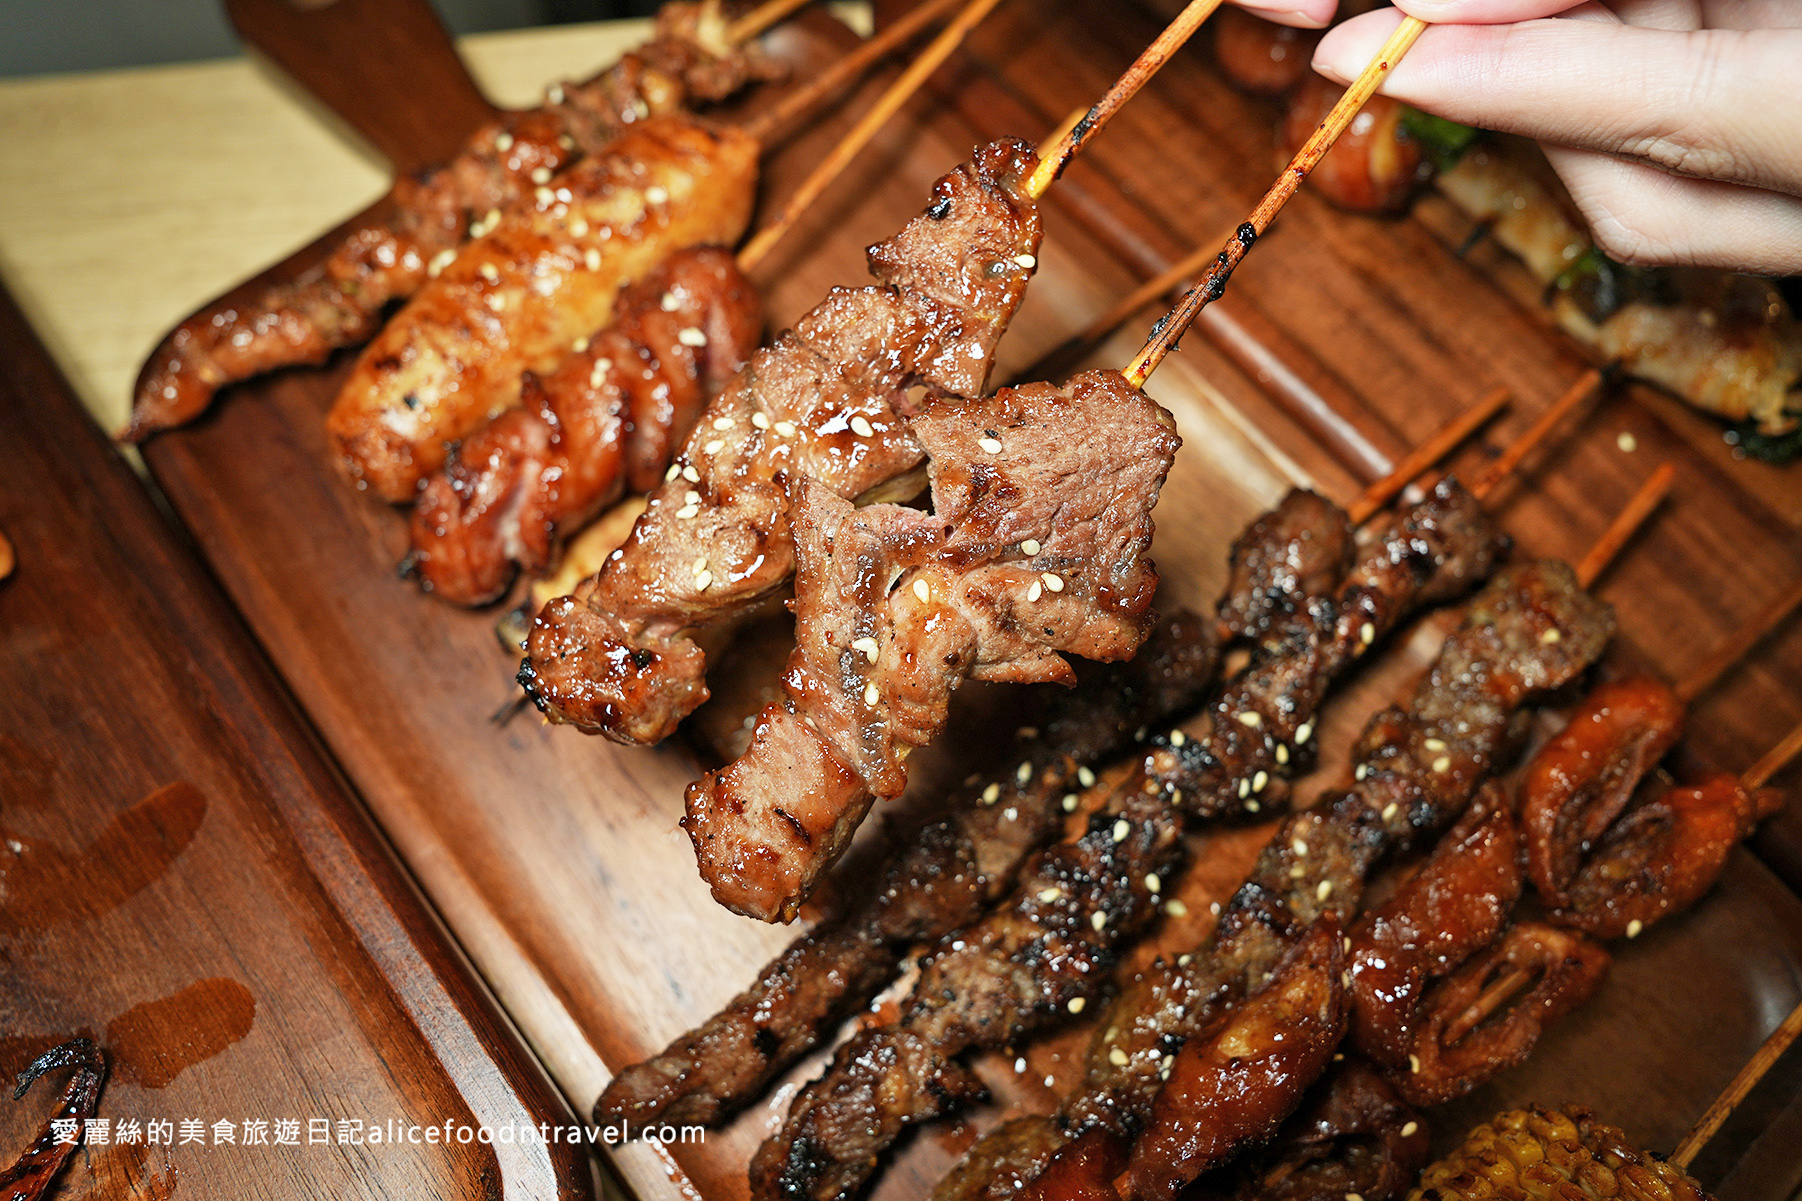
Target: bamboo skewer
791, 105
1650, 495
1586, 386
1427, 454
866, 128
1166, 44
761, 18
1773, 760
1736, 1090
1212, 284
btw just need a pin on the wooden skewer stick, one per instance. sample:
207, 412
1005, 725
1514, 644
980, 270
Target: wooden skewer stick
761, 18
1587, 385
1650, 495
1774, 760
1427, 454
1739, 645
853, 142
1125, 88
792, 104
1736, 1090
1213, 282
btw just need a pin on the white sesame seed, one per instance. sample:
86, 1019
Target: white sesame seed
688, 512
1076, 1004
1048, 895
1052, 580
1297, 871
1414, 1064
1303, 732
921, 591
578, 228
704, 581
439, 262
554, 93
714, 447
870, 694
1260, 780
691, 497
503, 141
1409, 1129
656, 195
700, 565
1030, 547
1442, 764
991, 794
1164, 1069
1627, 442
1069, 802
1282, 755
1020, 1066
1026, 260
723, 423
1244, 789
491, 218
1434, 744
691, 336
543, 196
490, 273
541, 175
1550, 636
1634, 927
668, 302
1185, 958
1367, 633
990, 445
861, 426
1035, 592
580, 344
1177, 738
1253, 720
1152, 883
690, 474
1390, 810
1363, 770
675, 469
1299, 846
1354, 1197
868, 647
760, 421
1176, 908
1121, 829
495, 301
1085, 777
1098, 921
1324, 891
786, 428
1252, 806
1117, 1057
591, 259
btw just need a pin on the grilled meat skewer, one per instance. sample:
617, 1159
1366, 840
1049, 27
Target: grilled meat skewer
604, 422
1034, 544
944, 879
340, 302
1529, 631
828, 401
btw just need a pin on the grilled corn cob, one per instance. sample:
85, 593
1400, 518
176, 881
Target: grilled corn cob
1544, 1154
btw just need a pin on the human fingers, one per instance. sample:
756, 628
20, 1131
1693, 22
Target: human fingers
1302, 14
1708, 103
1647, 217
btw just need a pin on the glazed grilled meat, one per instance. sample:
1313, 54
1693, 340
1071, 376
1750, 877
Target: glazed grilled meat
828, 402
518, 298
1418, 768
944, 879
607, 420
1352, 1135
1035, 544
1454, 906
340, 302
1582, 780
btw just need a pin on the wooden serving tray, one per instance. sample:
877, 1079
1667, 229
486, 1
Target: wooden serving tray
556, 859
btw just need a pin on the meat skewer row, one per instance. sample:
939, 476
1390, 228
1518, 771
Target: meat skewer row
942, 880
548, 273
1727, 344
31, 1177
1279, 553
615, 411
340, 302
1043, 951
829, 401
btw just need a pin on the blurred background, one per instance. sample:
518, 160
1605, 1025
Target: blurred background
42, 36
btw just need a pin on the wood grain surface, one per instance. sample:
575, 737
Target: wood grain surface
185, 878
556, 859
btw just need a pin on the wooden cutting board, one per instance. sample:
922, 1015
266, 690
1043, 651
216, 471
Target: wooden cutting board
556, 859
185, 878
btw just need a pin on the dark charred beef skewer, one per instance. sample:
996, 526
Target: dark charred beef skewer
1531, 630
1034, 545
944, 879
958, 867
607, 420
1049, 946
340, 302
829, 401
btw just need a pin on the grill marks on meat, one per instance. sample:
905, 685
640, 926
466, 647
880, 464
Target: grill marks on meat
340, 302
615, 658
605, 421
517, 298
944, 879
1532, 629
1035, 545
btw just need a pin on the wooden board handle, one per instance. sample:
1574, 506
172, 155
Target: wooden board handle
387, 67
